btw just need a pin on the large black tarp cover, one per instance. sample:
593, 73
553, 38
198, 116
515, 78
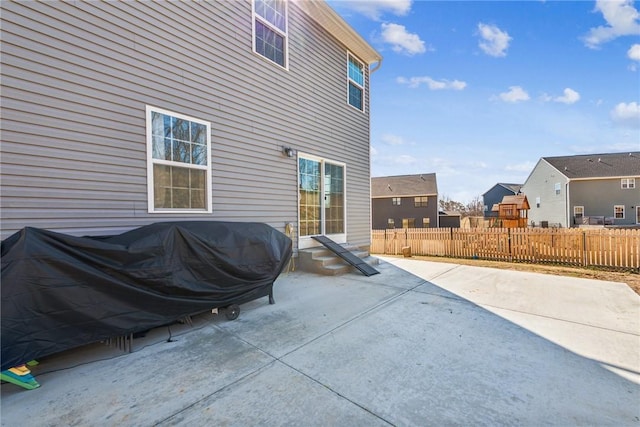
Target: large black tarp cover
59, 291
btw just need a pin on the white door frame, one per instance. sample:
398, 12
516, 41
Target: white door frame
306, 241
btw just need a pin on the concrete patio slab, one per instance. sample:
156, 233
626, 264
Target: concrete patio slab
421, 361
409, 346
596, 319
274, 396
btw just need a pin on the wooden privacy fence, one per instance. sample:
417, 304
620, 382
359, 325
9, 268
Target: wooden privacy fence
584, 247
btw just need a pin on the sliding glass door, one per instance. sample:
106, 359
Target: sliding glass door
321, 200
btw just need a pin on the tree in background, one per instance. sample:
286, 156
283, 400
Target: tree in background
446, 204
474, 208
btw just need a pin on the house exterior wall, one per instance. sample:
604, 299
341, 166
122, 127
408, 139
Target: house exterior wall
383, 209
77, 76
492, 197
541, 185
599, 196
449, 221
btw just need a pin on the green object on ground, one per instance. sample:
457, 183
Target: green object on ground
24, 381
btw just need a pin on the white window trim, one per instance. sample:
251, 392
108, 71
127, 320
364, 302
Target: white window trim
151, 161
364, 83
284, 34
630, 183
614, 211
575, 208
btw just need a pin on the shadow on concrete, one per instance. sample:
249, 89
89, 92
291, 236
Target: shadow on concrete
391, 349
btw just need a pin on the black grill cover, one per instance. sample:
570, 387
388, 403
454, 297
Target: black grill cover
60, 291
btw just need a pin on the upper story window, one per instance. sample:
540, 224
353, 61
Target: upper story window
420, 201
355, 74
178, 162
395, 201
628, 183
557, 187
270, 30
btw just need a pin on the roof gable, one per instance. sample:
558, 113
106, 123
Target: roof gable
513, 188
605, 165
520, 202
404, 185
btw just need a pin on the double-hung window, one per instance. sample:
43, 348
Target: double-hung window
178, 162
270, 30
420, 201
396, 201
618, 211
628, 183
355, 74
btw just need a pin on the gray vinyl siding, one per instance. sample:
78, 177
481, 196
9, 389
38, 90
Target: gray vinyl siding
598, 196
383, 209
541, 183
76, 77
492, 197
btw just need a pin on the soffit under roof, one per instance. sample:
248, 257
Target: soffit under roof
324, 15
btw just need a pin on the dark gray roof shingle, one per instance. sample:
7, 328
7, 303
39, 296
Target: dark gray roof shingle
404, 185
597, 165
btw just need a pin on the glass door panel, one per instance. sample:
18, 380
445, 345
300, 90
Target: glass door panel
333, 198
310, 197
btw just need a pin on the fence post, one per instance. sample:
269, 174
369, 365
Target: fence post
584, 248
451, 241
509, 244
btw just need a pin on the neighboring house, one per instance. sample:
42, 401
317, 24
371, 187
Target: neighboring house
404, 201
569, 191
120, 114
494, 196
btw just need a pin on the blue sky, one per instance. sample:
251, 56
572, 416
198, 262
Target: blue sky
478, 91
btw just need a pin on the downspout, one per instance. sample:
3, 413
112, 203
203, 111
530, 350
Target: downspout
567, 202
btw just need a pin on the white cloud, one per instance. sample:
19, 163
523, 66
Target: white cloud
570, 97
627, 114
392, 139
515, 94
634, 52
414, 82
374, 9
622, 20
495, 42
373, 151
402, 41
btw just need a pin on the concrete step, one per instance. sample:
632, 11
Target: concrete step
321, 260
